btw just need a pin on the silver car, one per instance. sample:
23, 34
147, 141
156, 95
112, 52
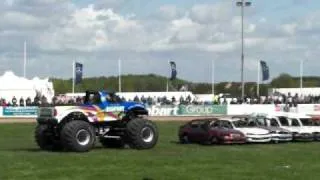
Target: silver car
263, 121
278, 134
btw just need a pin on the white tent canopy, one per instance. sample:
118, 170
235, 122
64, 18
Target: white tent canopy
12, 85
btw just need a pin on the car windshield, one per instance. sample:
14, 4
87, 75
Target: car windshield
284, 121
261, 121
240, 123
306, 121
274, 122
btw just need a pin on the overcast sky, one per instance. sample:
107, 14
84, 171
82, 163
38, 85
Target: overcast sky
146, 34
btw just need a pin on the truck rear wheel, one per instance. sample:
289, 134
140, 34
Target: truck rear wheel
141, 134
77, 136
45, 138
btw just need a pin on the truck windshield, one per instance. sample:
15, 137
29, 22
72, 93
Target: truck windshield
92, 98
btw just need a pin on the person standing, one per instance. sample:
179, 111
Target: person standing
21, 101
14, 101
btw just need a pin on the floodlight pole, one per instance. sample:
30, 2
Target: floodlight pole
242, 4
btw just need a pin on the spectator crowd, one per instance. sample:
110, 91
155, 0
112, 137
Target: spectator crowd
217, 100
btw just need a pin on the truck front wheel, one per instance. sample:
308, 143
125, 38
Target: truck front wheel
141, 134
45, 138
77, 136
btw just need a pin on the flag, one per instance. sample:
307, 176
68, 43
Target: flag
78, 72
173, 70
265, 70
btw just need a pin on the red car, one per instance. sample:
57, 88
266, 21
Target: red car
209, 131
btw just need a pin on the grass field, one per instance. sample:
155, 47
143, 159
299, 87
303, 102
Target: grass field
20, 158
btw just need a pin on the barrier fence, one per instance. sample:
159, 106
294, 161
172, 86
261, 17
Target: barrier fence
187, 110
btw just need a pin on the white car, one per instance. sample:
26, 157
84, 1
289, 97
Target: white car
306, 123
292, 123
253, 134
266, 122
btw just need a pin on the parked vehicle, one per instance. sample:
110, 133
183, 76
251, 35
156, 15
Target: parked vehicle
306, 122
104, 115
268, 123
291, 123
209, 131
252, 134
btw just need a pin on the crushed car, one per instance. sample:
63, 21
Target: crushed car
209, 131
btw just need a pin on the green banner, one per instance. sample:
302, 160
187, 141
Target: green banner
19, 111
202, 109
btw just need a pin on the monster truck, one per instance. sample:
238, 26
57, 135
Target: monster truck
102, 116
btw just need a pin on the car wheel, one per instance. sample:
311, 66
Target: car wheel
184, 139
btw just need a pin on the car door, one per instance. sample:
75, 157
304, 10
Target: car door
203, 131
199, 131
192, 134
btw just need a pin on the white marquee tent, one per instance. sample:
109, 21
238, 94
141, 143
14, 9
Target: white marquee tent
12, 85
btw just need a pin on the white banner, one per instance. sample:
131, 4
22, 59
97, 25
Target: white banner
309, 108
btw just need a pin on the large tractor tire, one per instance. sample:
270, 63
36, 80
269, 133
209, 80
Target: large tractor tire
141, 134
112, 143
77, 136
45, 138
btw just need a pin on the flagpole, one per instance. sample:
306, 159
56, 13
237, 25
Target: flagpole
258, 80
24, 58
73, 76
168, 80
119, 75
301, 75
212, 76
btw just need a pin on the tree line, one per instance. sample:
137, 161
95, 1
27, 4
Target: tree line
152, 82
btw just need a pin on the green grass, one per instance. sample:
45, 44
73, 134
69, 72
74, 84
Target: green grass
20, 158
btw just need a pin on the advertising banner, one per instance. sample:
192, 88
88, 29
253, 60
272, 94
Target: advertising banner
19, 111
166, 110
202, 110
187, 110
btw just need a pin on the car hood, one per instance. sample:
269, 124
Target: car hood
277, 129
253, 130
223, 130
